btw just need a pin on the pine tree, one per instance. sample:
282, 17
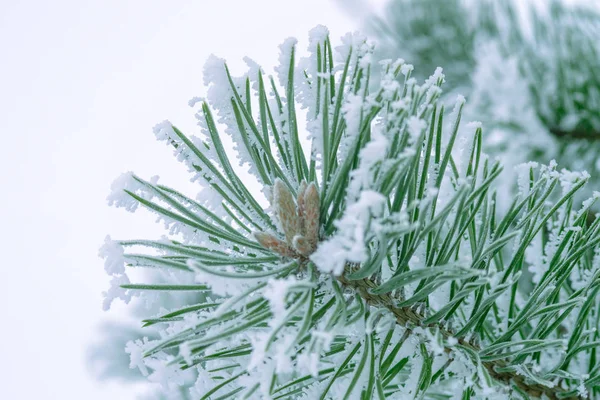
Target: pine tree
430, 33
366, 255
527, 70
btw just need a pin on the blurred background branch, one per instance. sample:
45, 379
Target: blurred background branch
529, 70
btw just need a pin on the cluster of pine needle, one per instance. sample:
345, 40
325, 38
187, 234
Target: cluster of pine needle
367, 255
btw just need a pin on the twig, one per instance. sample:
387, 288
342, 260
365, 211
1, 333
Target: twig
407, 315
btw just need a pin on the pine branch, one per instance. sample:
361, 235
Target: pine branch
385, 206
577, 134
410, 317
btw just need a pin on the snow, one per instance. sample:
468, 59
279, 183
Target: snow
276, 292
118, 197
523, 176
195, 100
164, 131
460, 101
258, 355
186, 352
353, 44
168, 376
407, 69
316, 35
569, 178
135, 349
222, 286
348, 244
285, 53
283, 357
308, 363
416, 126
254, 69
370, 156
537, 264
212, 199
475, 125
113, 254
352, 110
219, 96
116, 292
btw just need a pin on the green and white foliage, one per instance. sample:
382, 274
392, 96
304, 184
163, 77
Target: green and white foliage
560, 60
554, 55
528, 70
433, 33
368, 258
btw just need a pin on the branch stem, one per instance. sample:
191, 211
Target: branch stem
408, 316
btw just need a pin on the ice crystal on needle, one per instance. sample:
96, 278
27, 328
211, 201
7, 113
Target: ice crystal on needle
380, 269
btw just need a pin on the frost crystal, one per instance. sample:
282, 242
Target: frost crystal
113, 254
118, 196
116, 292
348, 245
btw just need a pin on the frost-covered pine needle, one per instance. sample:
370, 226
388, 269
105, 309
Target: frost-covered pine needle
377, 266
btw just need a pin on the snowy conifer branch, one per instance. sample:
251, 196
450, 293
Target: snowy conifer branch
569, 101
527, 67
377, 265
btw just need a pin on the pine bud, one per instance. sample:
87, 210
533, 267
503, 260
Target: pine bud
285, 209
270, 242
311, 215
301, 245
301, 211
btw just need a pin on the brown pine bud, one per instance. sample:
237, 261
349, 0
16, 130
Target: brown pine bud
300, 201
301, 245
285, 209
270, 242
311, 215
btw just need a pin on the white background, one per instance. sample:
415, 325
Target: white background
81, 85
